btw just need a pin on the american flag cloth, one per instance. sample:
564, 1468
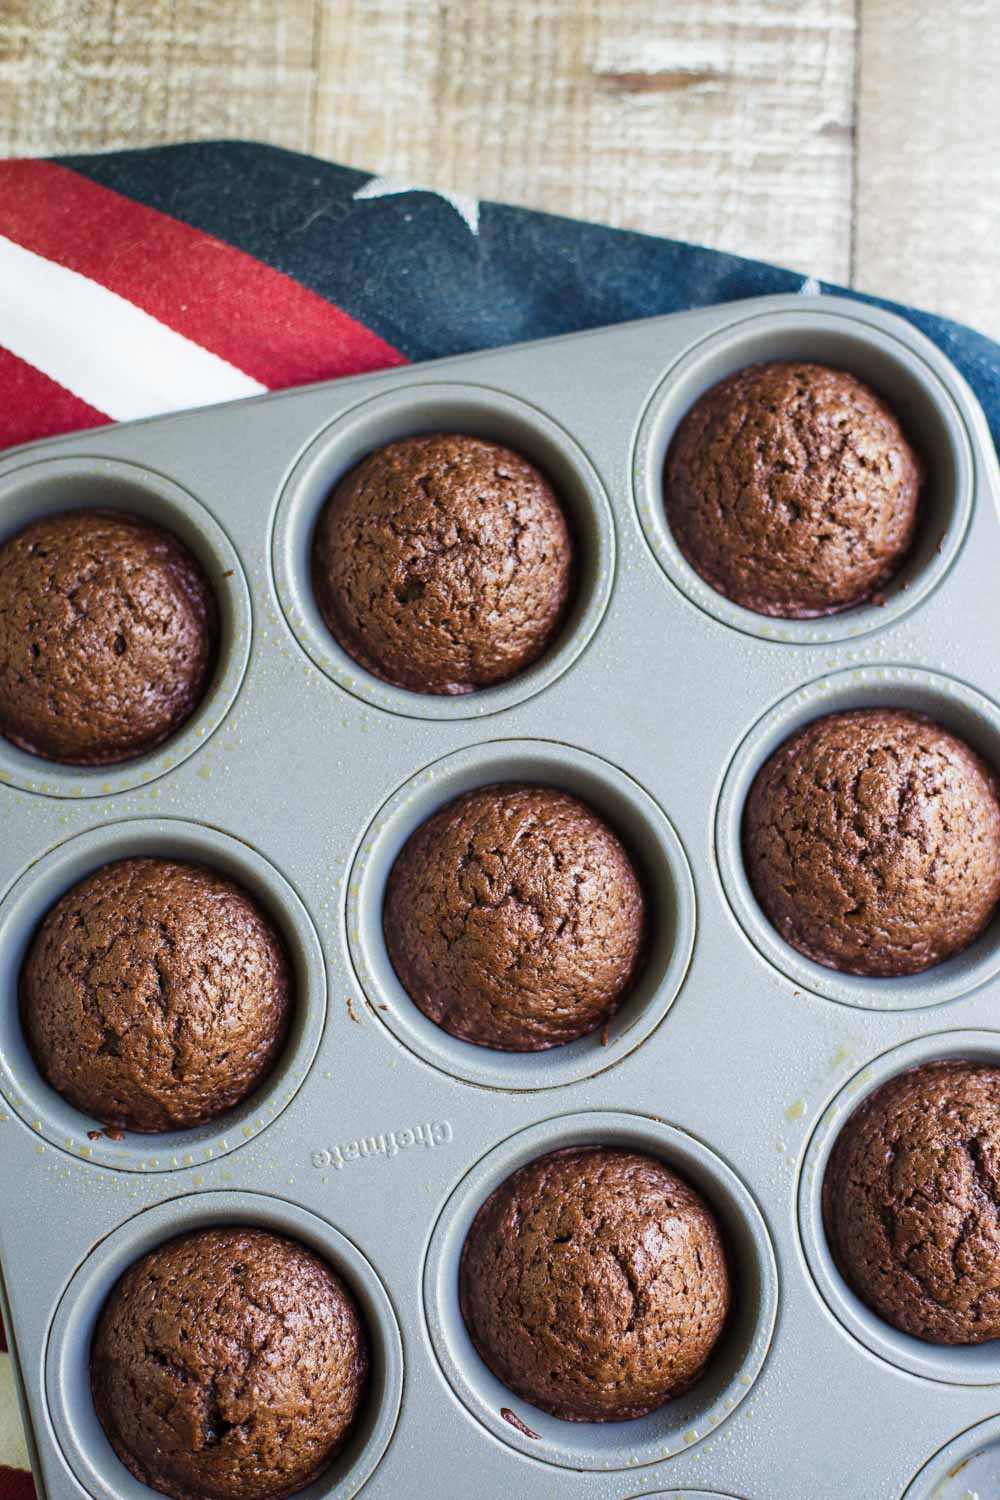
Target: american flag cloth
141, 282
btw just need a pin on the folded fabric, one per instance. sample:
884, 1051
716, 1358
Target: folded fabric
141, 282
146, 281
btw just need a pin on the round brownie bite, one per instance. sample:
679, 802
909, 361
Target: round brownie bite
594, 1283
910, 1202
514, 918
871, 839
108, 636
443, 563
229, 1362
792, 489
155, 995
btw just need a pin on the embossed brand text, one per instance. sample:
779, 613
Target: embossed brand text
386, 1144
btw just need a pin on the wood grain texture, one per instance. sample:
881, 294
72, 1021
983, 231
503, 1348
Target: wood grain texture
736, 124
728, 124
928, 184
89, 75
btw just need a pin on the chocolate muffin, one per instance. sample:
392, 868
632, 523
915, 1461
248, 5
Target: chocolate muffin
792, 489
108, 637
514, 918
872, 841
594, 1284
443, 563
911, 1198
155, 995
228, 1363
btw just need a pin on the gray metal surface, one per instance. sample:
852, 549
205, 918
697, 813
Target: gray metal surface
736, 1059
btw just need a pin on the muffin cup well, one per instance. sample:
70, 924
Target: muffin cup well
916, 388
479, 412
952, 1364
648, 837
67, 1355
959, 708
50, 486
965, 1467
24, 907
734, 1364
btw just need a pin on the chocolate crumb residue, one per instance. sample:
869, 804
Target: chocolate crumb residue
515, 1421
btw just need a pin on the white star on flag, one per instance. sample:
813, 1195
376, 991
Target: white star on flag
810, 286
464, 204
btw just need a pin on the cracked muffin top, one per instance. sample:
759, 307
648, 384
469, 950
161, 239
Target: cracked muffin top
594, 1283
443, 563
155, 995
792, 489
515, 919
228, 1364
911, 1202
108, 634
872, 841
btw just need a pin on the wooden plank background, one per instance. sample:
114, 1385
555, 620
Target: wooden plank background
857, 140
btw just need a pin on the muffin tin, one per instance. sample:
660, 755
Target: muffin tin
378, 1135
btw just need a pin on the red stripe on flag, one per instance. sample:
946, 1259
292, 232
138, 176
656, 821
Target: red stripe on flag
15, 1484
33, 406
257, 318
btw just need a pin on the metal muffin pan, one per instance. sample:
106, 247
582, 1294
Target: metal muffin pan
378, 1136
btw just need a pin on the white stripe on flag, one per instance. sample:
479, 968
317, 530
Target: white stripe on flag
98, 346
13, 1448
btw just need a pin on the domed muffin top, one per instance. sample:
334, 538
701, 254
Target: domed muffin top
594, 1284
792, 489
443, 563
229, 1364
108, 636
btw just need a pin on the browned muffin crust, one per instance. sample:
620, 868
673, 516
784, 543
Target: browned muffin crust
911, 1202
872, 841
443, 563
515, 918
792, 489
155, 995
108, 637
228, 1364
594, 1284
